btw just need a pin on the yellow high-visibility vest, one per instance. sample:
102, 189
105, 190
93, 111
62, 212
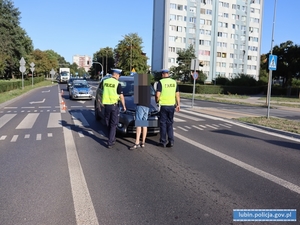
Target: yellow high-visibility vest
167, 95
110, 95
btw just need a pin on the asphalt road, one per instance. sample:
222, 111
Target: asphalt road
55, 168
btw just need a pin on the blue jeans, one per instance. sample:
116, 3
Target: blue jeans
166, 124
141, 116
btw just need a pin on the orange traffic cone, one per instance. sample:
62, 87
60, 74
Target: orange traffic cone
64, 107
62, 102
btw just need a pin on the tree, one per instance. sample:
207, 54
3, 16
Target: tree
14, 41
288, 61
105, 56
128, 54
182, 72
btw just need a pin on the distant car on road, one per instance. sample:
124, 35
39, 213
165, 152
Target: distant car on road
80, 89
69, 83
127, 119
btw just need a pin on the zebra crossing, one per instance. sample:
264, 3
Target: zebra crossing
80, 120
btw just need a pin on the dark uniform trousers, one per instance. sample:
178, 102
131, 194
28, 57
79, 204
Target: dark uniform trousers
111, 120
166, 124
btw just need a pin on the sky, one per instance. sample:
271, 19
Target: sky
83, 27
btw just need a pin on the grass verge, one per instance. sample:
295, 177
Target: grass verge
6, 96
277, 123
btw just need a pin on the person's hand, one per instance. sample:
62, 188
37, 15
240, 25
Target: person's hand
124, 108
177, 109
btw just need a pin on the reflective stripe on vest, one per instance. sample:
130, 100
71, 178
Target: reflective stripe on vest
110, 95
167, 95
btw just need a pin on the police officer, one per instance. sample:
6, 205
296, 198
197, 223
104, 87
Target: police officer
112, 92
167, 96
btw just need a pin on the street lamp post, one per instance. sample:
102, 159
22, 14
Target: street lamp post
101, 67
270, 71
131, 40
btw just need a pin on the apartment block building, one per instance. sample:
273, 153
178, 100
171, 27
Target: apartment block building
226, 35
83, 61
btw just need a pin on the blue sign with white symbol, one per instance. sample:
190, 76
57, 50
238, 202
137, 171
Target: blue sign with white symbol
195, 75
272, 62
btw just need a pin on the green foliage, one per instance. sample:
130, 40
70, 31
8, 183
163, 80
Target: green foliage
182, 72
14, 41
288, 61
105, 56
295, 82
223, 81
243, 80
128, 54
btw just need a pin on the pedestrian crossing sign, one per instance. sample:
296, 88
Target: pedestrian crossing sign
272, 62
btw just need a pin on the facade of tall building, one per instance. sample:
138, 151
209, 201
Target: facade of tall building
226, 35
83, 61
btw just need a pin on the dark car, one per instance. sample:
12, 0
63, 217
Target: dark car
126, 119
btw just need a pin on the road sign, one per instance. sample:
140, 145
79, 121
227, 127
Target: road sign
272, 62
22, 62
195, 75
22, 69
133, 70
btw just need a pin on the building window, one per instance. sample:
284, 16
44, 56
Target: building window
208, 22
180, 7
224, 55
179, 18
192, 20
209, 12
208, 32
192, 30
173, 6
171, 49
192, 9
172, 17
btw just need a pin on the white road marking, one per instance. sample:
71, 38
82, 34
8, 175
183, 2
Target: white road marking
197, 127
54, 120
210, 126
182, 128
50, 135
225, 126
28, 121
202, 126
215, 125
27, 136
14, 138
178, 120
37, 102
80, 134
252, 169
5, 118
10, 107
187, 127
38, 137
83, 205
3, 137
189, 117
79, 119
